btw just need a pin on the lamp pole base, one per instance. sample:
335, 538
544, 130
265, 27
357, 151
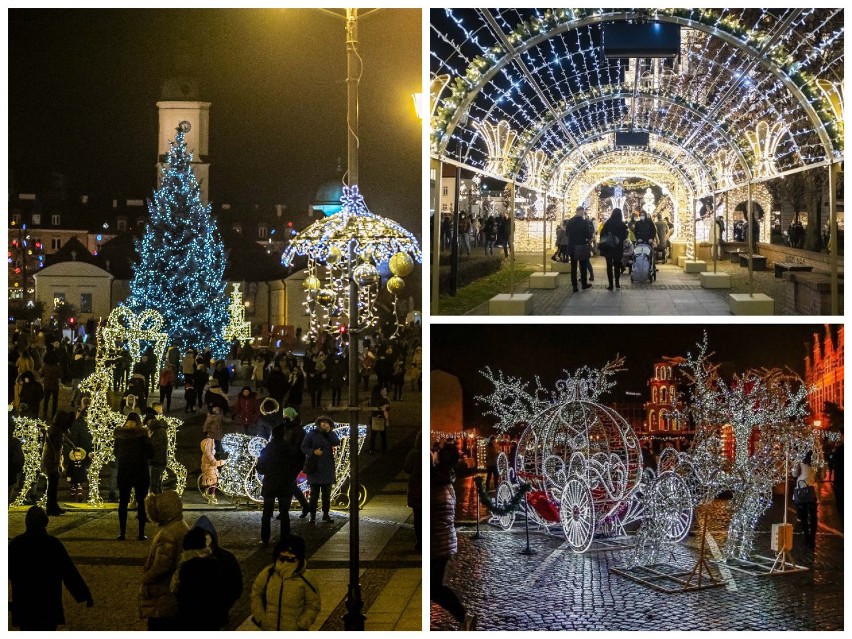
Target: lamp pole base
354, 619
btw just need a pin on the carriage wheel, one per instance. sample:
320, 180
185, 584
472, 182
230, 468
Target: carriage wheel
502, 498
577, 514
674, 501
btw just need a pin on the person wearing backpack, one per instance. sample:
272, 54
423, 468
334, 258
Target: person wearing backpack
805, 500
613, 234
282, 596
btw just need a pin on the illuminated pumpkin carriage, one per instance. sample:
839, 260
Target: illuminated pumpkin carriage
583, 464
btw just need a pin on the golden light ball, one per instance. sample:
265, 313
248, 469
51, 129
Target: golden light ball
396, 285
366, 274
325, 297
334, 255
311, 283
401, 264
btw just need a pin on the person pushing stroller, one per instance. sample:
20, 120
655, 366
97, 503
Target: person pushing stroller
646, 233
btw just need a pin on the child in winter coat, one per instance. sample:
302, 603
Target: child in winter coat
210, 469
213, 425
282, 597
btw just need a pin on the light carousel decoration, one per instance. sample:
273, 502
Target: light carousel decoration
238, 328
352, 243
579, 462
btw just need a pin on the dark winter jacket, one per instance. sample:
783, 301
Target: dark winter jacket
31, 394
579, 233
317, 438
50, 377
38, 566
617, 228
80, 435
51, 453
232, 579
645, 230
159, 441
278, 385
279, 463
223, 376
132, 450
215, 397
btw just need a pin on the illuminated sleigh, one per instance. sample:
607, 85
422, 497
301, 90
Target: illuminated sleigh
583, 463
239, 478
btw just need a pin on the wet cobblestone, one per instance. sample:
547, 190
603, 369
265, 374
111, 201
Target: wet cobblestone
556, 589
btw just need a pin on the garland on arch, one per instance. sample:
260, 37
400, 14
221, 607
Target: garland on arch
507, 508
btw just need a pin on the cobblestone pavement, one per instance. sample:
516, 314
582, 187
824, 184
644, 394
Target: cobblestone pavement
390, 569
556, 589
673, 293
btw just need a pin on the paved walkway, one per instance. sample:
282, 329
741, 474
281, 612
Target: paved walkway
390, 568
673, 293
555, 589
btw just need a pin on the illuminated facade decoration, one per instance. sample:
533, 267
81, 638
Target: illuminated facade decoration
824, 374
664, 405
764, 140
375, 241
180, 264
238, 328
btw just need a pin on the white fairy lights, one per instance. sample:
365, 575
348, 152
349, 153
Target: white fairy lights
375, 241
238, 329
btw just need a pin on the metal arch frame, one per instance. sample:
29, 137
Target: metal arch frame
641, 95
616, 16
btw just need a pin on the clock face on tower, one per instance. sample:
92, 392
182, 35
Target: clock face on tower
185, 126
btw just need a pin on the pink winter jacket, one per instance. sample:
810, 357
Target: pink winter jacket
209, 463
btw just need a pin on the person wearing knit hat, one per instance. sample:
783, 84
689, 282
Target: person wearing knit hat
38, 566
289, 413
283, 597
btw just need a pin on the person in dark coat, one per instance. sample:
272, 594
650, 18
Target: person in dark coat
415, 487
196, 584
616, 227
247, 409
279, 463
216, 397
644, 230
222, 374
294, 435
167, 385
335, 375
38, 566
50, 381
231, 583
51, 458
132, 450
200, 378
320, 442
504, 231
80, 437
579, 234
277, 384
297, 387
159, 429
443, 539
31, 394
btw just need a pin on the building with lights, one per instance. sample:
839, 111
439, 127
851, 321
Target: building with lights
824, 373
660, 426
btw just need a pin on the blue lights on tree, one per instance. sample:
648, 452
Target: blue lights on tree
180, 261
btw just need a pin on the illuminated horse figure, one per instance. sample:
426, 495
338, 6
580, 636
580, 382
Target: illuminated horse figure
101, 418
31, 434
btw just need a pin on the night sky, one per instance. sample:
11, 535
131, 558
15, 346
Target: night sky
545, 350
83, 87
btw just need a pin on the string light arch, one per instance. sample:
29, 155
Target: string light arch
529, 67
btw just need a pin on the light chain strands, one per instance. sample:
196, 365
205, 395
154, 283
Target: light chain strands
180, 261
121, 326
748, 430
581, 458
31, 433
376, 241
542, 75
238, 477
238, 328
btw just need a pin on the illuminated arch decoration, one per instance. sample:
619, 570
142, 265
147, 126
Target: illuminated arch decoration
238, 328
374, 240
764, 140
528, 67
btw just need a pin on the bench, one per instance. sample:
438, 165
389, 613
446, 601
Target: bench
734, 255
783, 267
758, 262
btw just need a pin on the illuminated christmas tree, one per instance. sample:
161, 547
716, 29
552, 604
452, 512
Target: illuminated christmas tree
180, 261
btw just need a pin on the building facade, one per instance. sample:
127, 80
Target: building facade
824, 373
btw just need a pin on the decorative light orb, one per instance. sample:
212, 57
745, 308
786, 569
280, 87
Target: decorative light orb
185, 126
367, 255
311, 283
396, 285
325, 297
334, 255
401, 265
366, 274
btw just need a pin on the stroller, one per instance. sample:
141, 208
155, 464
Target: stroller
644, 267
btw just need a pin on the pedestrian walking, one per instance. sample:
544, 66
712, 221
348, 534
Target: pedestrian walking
195, 584
319, 464
613, 235
380, 418
157, 603
132, 449
283, 596
579, 236
246, 411
231, 581
444, 542
38, 566
167, 384
806, 501
415, 487
492, 450
294, 435
279, 463
159, 430
51, 458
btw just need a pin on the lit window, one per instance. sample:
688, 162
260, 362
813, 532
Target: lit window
56, 243
261, 232
16, 219
54, 219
